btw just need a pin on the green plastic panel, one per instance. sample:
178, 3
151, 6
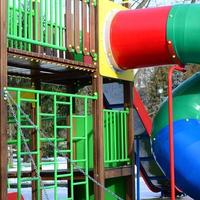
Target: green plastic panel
183, 29
116, 185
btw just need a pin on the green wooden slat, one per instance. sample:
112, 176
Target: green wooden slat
115, 136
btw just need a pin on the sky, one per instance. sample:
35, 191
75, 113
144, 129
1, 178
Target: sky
161, 2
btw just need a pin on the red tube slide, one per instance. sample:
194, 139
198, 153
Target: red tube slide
138, 38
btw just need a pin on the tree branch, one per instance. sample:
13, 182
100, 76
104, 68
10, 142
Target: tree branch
143, 3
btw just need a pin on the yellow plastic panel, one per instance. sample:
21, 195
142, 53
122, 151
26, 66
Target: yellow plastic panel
106, 69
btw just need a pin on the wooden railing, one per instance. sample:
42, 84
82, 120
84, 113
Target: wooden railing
60, 28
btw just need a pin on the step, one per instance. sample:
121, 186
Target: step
78, 116
47, 114
28, 100
80, 183
63, 127
47, 163
30, 179
78, 161
64, 175
28, 126
29, 153
47, 187
64, 151
63, 103
78, 138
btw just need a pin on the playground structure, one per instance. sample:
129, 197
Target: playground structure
73, 43
56, 42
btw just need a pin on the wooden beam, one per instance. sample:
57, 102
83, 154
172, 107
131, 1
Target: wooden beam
128, 100
118, 172
98, 138
3, 107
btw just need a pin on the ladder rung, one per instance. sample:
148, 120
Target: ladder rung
47, 163
12, 141
47, 139
64, 175
28, 126
78, 161
61, 139
29, 179
27, 153
78, 138
47, 187
64, 151
25, 141
63, 127
80, 183
78, 116
46, 114
28, 100
63, 103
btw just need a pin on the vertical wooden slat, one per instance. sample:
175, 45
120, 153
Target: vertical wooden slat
86, 46
36, 27
92, 27
3, 107
77, 25
128, 99
69, 26
98, 138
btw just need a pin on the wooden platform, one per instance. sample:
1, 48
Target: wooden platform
47, 68
49, 174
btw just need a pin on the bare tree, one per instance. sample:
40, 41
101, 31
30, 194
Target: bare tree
143, 4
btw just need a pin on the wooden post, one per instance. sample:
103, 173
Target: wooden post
3, 107
128, 100
36, 48
98, 138
37, 86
